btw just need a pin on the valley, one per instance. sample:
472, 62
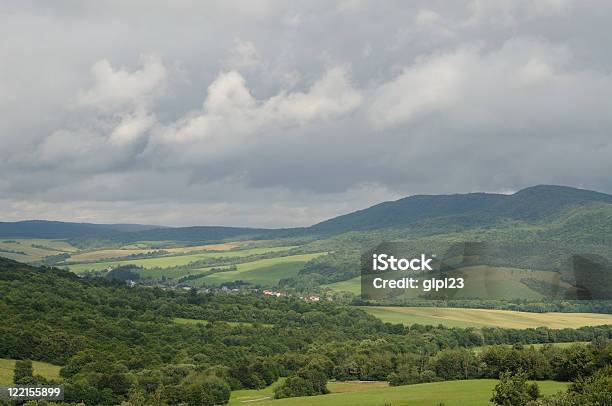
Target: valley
249, 315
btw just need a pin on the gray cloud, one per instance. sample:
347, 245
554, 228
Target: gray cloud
286, 113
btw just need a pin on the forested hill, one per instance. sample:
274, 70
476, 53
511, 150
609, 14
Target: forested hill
121, 232
530, 204
62, 229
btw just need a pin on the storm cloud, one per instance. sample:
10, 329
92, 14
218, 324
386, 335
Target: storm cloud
281, 114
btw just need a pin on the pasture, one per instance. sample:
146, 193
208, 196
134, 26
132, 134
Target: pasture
246, 396
351, 285
102, 254
475, 392
173, 260
243, 396
264, 271
458, 317
30, 250
40, 368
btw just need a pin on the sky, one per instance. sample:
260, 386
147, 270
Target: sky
285, 113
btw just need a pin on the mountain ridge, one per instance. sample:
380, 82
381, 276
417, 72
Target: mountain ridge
65, 229
533, 203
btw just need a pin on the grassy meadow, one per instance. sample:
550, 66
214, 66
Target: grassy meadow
257, 395
451, 393
175, 260
246, 396
102, 254
458, 317
40, 368
266, 271
31, 250
263, 271
350, 285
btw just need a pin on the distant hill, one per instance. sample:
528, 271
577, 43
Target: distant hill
60, 229
530, 204
578, 206
197, 233
123, 232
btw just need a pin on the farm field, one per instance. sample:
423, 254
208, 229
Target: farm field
264, 271
30, 250
504, 282
245, 396
174, 260
40, 368
102, 254
133, 249
457, 317
475, 392
355, 386
350, 285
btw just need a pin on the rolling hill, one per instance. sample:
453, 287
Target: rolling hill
533, 204
545, 228
476, 209
62, 229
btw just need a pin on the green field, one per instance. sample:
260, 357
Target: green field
504, 282
451, 393
355, 386
173, 260
30, 250
256, 395
133, 249
456, 317
264, 271
246, 396
350, 285
40, 368
195, 322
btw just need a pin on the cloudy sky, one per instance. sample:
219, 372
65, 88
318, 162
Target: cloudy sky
278, 114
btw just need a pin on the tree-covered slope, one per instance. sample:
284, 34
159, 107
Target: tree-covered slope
473, 209
62, 229
436, 213
120, 233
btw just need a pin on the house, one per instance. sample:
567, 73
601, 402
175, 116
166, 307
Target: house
273, 293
